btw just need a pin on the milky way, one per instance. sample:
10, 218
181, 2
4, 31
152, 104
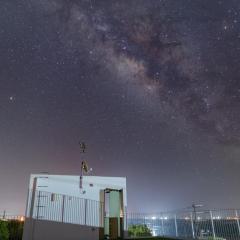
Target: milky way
147, 48
151, 83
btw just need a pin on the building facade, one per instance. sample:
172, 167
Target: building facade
94, 206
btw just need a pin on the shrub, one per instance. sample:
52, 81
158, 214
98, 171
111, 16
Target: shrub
139, 230
4, 233
15, 228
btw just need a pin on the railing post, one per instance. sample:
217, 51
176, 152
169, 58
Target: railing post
162, 227
38, 204
85, 212
237, 218
102, 215
33, 196
213, 229
192, 225
176, 227
126, 218
27, 205
63, 207
4, 214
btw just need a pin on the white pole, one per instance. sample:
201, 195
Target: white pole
213, 229
162, 226
176, 227
237, 217
193, 232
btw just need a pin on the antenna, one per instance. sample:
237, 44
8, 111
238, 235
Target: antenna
82, 150
84, 166
83, 147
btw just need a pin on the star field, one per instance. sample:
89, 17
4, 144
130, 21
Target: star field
151, 86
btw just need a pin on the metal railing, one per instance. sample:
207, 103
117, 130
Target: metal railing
7, 217
66, 209
207, 224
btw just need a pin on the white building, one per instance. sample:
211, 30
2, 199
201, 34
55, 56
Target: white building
58, 208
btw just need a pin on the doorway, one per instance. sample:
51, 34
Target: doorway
113, 208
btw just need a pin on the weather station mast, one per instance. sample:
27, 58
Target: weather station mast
84, 167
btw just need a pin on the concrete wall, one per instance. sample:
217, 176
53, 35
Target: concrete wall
49, 230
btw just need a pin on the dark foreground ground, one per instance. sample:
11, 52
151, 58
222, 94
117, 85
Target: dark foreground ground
148, 238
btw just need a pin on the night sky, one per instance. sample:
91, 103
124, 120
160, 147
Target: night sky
152, 87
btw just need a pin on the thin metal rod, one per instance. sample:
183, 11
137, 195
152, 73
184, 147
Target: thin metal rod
86, 202
163, 232
237, 218
38, 205
192, 225
213, 229
176, 227
63, 207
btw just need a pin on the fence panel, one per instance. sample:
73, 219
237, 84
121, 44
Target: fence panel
226, 224
207, 224
185, 225
67, 209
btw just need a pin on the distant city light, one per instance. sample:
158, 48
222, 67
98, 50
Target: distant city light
164, 218
154, 218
